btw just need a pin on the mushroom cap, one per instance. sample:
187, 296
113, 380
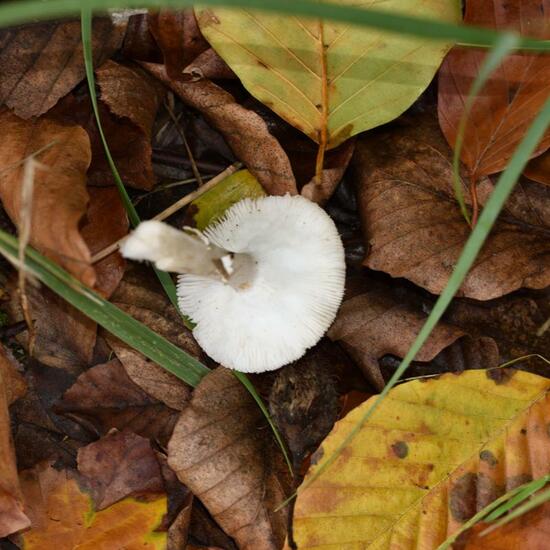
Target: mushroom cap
284, 293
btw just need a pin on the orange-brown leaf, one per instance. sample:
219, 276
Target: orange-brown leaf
511, 98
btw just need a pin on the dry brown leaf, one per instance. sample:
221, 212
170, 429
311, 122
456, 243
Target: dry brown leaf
12, 381
415, 230
208, 65
65, 338
104, 397
538, 169
119, 465
134, 96
245, 131
12, 515
376, 323
219, 453
60, 197
154, 310
512, 96
530, 531
41, 63
178, 37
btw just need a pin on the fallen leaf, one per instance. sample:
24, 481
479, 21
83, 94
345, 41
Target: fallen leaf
206, 531
178, 37
12, 515
65, 338
60, 197
208, 65
531, 530
106, 222
64, 518
414, 228
218, 451
104, 397
510, 99
303, 400
132, 96
161, 317
538, 169
117, 466
12, 380
245, 131
433, 454
330, 80
42, 62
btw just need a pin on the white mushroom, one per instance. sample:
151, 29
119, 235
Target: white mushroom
263, 288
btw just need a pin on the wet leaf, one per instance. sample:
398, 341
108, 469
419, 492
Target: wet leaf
328, 79
377, 323
12, 515
119, 465
528, 531
133, 96
104, 397
42, 62
60, 198
219, 452
513, 95
245, 131
63, 516
415, 230
431, 456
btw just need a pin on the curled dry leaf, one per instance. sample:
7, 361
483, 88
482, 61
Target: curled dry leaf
433, 454
133, 96
41, 63
60, 198
119, 465
218, 451
414, 227
510, 99
530, 531
12, 515
104, 397
245, 131
64, 518
376, 323
178, 37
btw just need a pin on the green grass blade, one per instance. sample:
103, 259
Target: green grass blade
469, 253
504, 45
12, 13
130, 331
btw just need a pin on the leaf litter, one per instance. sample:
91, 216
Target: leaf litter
102, 446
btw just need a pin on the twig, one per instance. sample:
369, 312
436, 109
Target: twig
175, 207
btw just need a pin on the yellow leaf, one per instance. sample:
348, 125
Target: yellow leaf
63, 517
431, 455
330, 80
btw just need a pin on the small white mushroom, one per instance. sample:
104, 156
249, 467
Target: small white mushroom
264, 286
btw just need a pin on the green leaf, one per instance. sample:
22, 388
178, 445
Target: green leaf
111, 318
330, 80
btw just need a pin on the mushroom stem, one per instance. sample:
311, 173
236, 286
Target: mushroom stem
173, 250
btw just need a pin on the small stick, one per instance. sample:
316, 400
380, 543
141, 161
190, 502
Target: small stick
175, 207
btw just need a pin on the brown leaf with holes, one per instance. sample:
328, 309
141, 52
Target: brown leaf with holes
42, 62
511, 98
12, 515
60, 198
538, 169
530, 531
413, 227
119, 465
104, 397
219, 452
178, 37
245, 131
376, 323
